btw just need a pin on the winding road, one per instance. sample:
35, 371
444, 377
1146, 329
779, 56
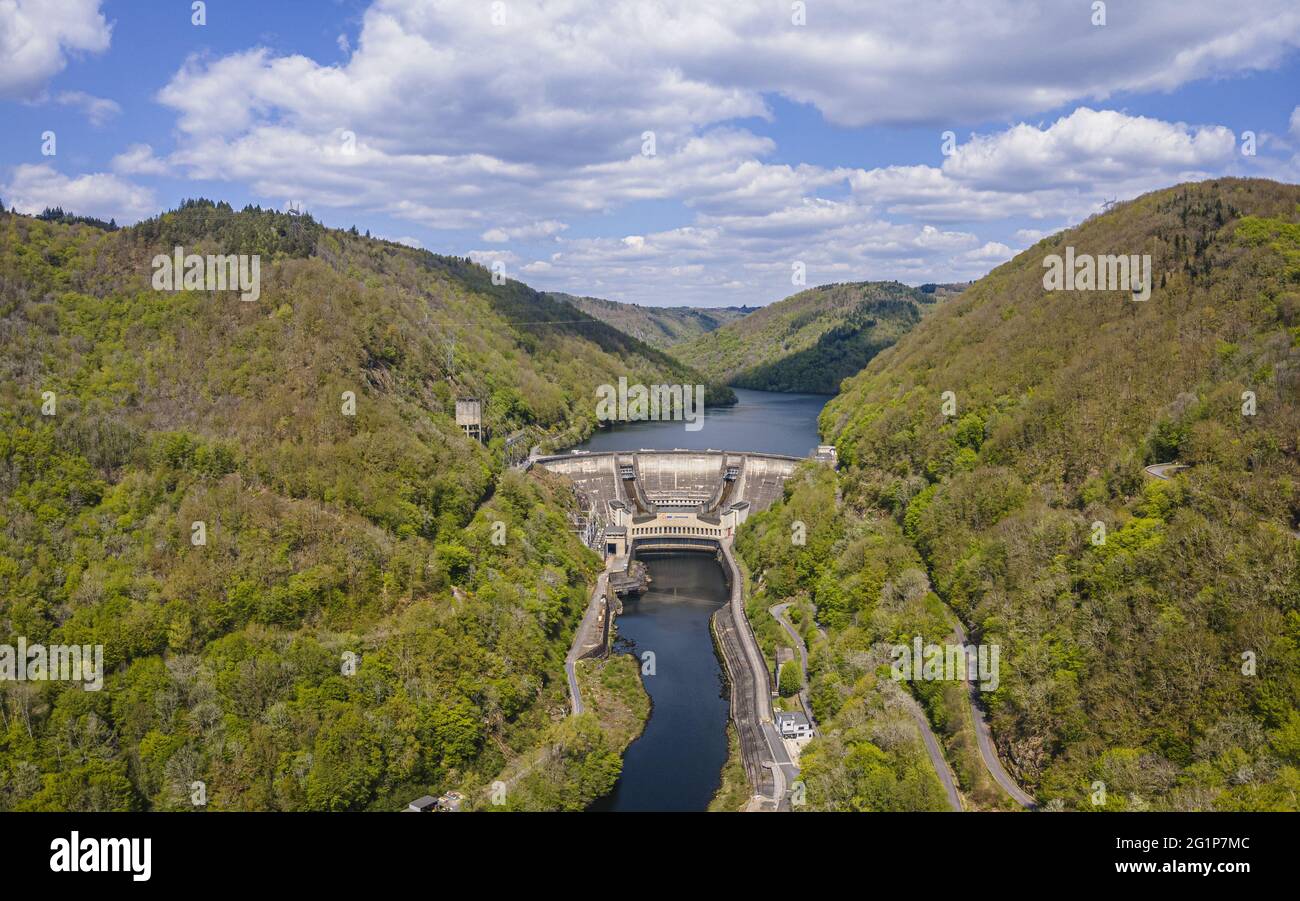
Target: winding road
984, 738
1162, 470
928, 738
983, 734
932, 748
778, 614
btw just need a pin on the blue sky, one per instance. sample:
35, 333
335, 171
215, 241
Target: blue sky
512, 131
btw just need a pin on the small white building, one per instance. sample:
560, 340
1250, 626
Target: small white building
793, 725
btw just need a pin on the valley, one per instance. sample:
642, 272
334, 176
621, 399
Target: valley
986, 439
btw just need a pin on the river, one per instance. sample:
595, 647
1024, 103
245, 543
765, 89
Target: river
676, 763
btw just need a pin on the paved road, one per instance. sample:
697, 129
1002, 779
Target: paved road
932, 748
984, 738
581, 641
928, 738
1163, 470
786, 770
778, 614
575, 696
761, 748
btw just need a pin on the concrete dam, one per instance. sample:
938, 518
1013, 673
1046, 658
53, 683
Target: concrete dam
671, 500
652, 501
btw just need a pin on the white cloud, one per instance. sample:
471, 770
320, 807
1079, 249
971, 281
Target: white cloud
97, 110
983, 60
544, 115
1085, 147
35, 187
139, 159
750, 258
511, 131
750, 217
1295, 123
545, 229
582, 80
1059, 171
37, 35
992, 253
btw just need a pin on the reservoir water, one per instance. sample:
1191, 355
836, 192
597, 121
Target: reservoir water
761, 421
676, 763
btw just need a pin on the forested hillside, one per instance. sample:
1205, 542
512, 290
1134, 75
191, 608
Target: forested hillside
811, 340
129, 414
861, 582
1150, 629
661, 327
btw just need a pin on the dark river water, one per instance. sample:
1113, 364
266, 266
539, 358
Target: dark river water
676, 763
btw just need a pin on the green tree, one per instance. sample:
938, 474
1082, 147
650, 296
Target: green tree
790, 680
